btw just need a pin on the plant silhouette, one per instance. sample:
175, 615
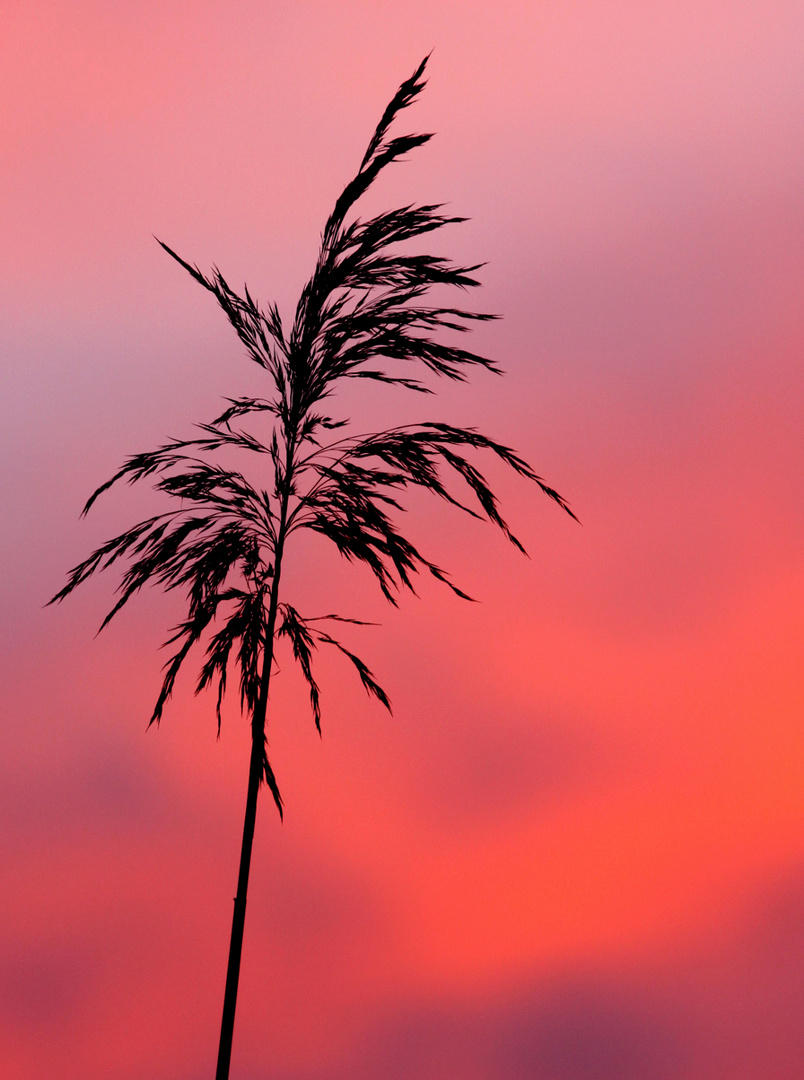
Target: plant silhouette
361, 315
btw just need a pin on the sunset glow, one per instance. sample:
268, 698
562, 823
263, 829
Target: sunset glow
576, 849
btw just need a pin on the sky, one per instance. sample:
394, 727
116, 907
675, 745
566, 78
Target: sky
576, 849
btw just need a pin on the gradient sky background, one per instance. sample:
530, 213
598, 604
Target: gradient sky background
576, 852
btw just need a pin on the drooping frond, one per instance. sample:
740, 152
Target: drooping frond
415, 446
305, 637
199, 552
294, 627
260, 331
359, 483
247, 625
270, 779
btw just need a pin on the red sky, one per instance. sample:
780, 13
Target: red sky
576, 851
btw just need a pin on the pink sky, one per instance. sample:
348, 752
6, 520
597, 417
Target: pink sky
576, 851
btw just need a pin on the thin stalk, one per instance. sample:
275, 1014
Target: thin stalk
255, 771
239, 917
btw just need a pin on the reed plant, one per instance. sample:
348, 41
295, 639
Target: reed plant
365, 313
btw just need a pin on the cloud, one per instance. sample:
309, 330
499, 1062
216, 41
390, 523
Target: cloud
578, 1029
728, 1006
480, 765
95, 786
44, 984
